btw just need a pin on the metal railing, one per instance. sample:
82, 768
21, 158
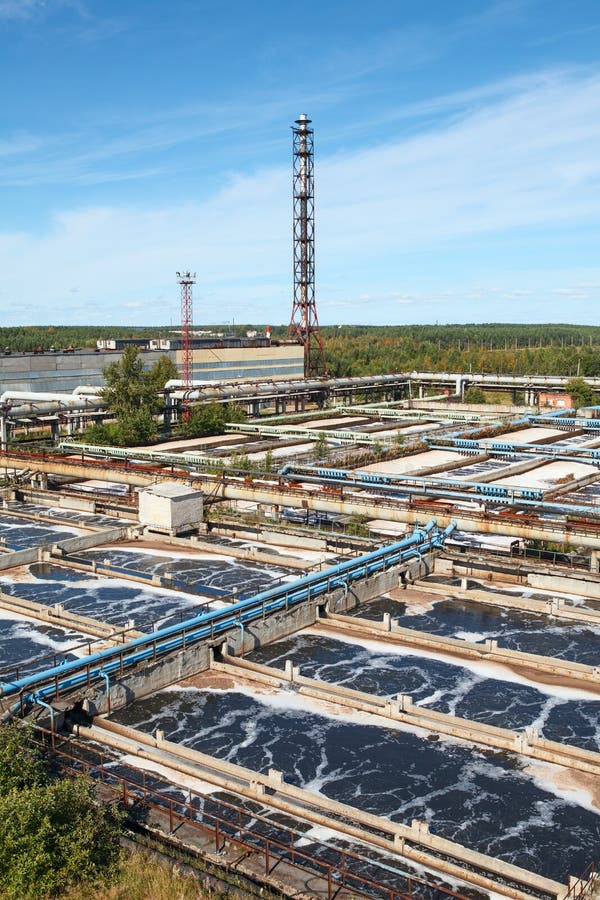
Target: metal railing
114, 661
586, 884
233, 827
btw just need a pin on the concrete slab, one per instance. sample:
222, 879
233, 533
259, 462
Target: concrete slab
528, 435
277, 452
549, 475
414, 463
342, 422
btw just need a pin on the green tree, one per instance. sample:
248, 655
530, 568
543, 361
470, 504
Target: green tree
268, 461
210, 419
52, 832
320, 449
474, 394
128, 386
21, 761
163, 370
580, 391
131, 395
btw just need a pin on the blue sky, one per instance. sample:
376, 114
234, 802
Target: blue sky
457, 159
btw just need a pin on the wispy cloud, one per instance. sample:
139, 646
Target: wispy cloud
523, 162
20, 9
25, 10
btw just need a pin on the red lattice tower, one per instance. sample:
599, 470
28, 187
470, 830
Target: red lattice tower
304, 324
186, 280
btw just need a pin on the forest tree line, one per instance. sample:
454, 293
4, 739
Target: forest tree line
361, 349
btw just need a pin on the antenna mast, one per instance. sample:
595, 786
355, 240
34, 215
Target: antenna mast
186, 280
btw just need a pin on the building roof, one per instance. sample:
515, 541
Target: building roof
172, 490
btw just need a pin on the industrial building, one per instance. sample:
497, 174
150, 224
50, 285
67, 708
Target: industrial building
217, 360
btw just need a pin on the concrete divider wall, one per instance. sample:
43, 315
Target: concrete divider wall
87, 504
147, 680
196, 659
68, 545
86, 541
19, 558
566, 584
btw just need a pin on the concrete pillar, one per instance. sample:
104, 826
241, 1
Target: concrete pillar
276, 778
387, 621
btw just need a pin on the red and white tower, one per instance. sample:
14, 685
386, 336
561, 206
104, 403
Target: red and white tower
304, 324
186, 280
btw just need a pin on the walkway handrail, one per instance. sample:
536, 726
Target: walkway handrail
76, 673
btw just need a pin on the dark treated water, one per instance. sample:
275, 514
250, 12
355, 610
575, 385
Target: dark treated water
21, 534
485, 800
114, 600
479, 799
22, 640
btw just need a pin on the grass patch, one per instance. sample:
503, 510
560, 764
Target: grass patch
143, 877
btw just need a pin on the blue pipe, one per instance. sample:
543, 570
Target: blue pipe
37, 698
104, 675
410, 484
77, 672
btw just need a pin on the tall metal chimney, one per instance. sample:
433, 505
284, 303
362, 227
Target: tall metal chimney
304, 324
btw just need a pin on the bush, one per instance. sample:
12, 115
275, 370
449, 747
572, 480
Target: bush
52, 833
210, 419
580, 391
474, 395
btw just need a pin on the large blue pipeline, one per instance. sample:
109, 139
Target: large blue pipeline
415, 484
495, 495
76, 673
566, 452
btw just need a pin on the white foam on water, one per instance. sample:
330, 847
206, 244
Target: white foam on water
43, 639
545, 711
192, 783
94, 585
34, 633
495, 671
289, 701
474, 636
545, 776
320, 834
201, 555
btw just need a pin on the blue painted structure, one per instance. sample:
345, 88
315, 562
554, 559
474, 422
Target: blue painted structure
415, 484
566, 452
68, 676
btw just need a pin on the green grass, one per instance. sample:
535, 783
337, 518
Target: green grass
142, 877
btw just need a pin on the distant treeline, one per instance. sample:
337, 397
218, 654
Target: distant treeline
501, 349
363, 349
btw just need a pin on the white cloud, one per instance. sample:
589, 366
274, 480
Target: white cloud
20, 9
523, 159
